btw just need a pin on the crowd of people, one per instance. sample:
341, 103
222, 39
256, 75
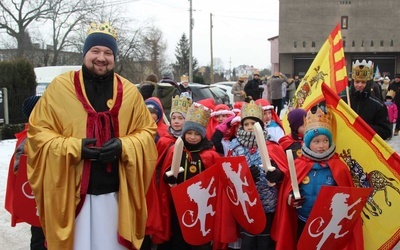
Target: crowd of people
100, 154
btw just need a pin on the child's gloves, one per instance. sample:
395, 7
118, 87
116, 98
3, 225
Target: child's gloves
255, 173
295, 203
275, 175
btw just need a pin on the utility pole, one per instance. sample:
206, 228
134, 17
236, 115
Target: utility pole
211, 48
230, 67
191, 44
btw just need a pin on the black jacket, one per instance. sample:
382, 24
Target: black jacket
254, 89
371, 110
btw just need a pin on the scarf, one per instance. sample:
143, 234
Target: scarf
318, 156
248, 138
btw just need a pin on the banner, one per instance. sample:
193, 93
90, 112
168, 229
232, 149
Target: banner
24, 203
333, 218
329, 66
373, 164
243, 198
195, 202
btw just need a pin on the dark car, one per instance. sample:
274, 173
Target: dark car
165, 92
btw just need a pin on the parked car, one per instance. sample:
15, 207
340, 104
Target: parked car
227, 87
199, 92
45, 75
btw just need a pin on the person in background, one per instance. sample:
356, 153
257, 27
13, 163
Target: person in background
157, 112
253, 88
368, 107
238, 90
290, 90
319, 165
271, 121
297, 81
184, 86
92, 137
385, 86
220, 113
275, 90
294, 140
392, 110
148, 88
395, 86
198, 154
246, 144
37, 236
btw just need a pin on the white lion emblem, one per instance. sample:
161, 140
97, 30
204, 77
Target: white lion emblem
200, 196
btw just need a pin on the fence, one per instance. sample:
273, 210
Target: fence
15, 100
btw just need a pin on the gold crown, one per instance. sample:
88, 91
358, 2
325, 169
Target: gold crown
391, 93
318, 120
251, 110
198, 114
362, 71
180, 104
184, 78
105, 28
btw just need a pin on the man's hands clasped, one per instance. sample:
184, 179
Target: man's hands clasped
109, 152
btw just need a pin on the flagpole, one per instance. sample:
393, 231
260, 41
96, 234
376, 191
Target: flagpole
348, 96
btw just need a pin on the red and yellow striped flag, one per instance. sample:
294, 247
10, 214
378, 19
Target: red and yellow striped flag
329, 66
372, 163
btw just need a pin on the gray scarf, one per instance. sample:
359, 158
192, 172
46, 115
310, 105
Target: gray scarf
248, 138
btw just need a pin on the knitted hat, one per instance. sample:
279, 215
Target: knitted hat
29, 104
154, 108
318, 123
101, 35
296, 119
166, 73
196, 119
310, 134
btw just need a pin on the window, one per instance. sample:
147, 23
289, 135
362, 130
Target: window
304, 44
295, 44
344, 22
313, 44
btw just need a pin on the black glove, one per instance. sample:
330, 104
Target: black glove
170, 179
276, 175
255, 173
111, 150
295, 203
87, 152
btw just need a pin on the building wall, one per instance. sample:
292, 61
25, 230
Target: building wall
369, 29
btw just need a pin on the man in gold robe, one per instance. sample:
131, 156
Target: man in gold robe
92, 153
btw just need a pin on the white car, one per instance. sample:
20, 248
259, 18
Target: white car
227, 87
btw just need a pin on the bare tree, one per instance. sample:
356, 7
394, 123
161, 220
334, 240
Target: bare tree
155, 47
16, 16
65, 19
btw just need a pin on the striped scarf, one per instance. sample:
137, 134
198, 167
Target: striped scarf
248, 138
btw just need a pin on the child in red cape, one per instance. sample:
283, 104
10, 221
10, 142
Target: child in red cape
198, 154
318, 165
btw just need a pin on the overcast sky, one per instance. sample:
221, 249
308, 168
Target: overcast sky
240, 28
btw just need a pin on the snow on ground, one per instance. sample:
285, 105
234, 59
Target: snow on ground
15, 238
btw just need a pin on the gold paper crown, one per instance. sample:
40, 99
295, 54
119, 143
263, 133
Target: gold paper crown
391, 93
180, 104
184, 78
251, 110
362, 71
198, 114
318, 120
105, 28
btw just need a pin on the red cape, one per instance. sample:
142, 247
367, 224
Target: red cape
287, 140
284, 227
207, 157
12, 177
